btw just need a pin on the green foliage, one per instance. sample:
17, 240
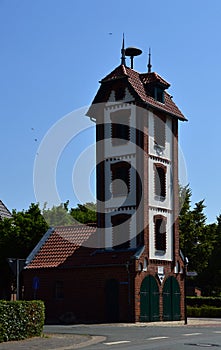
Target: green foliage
204, 311
62, 216
85, 214
18, 236
200, 301
197, 240
211, 277
21, 233
201, 243
21, 319
58, 216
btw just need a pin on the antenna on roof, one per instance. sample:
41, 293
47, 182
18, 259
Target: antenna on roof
149, 66
123, 58
132, 52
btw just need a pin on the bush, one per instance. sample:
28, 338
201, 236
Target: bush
200, 301
21, 319
203, 311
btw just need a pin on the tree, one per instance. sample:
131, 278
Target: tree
62, 216
211, 277
196, 238
18, 236
186, 225
85, 214
58, 215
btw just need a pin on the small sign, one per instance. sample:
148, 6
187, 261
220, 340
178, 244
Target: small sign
35, 283
160, 270
192, 273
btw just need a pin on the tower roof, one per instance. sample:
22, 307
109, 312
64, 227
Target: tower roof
4, 212
139, 85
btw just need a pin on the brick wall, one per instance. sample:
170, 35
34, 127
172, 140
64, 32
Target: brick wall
84, 292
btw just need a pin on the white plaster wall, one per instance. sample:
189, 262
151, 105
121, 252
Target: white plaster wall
167, 153
127, 98
115, 202
158, 207
129, 148
166, 158
168, 202
169, 236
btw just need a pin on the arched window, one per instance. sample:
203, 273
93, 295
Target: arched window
120, 129
160, 181
160, 232
121, 231
120, 178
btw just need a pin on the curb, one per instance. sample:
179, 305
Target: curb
94, 340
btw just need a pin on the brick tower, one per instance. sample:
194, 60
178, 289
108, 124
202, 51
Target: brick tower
128, 268
137, 185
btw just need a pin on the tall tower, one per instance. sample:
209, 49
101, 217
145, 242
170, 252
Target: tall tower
137, 183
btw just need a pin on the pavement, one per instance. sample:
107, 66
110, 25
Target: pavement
53, 342
77, 341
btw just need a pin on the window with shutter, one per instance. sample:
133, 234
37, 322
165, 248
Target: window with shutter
160, 232
120, 178
160, 181
120, 128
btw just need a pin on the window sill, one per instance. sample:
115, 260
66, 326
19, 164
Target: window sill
120, 143
160, 252
160, 198
119, 195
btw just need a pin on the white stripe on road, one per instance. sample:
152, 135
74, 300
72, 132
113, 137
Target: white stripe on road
218, 332
118, 342
157, 338
190, 334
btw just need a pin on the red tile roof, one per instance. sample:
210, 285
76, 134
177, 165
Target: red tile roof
69, 246
153, 77
140, 83
58, 244
4, 212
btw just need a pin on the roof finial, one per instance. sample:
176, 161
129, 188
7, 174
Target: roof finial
149, 62
123, 58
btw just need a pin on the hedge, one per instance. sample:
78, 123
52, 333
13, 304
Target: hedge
21, 319
200, 301
204, 311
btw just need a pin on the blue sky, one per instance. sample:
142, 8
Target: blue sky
53, 54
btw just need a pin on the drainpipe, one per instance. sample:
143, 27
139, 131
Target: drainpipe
128, 295
128, 278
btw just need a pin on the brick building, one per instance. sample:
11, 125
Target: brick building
128, 267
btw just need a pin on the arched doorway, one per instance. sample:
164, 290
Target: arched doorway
171, 300
112, 300
149, 300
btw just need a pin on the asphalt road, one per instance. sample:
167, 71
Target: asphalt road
175, 336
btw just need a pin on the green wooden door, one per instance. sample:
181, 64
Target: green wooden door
149, 300
171, 300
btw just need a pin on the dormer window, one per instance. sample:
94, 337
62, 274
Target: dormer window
120, 94
159, 94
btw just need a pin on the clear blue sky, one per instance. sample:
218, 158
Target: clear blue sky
53, 54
